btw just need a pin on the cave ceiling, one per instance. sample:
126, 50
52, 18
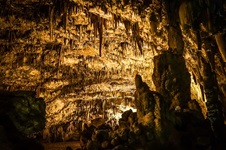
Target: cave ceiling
75, 50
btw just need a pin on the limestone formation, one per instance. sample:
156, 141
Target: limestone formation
172, 80
144, 99
81, 56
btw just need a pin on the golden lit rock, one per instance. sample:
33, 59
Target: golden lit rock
82, 56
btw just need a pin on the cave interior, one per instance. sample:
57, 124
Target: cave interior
112, 74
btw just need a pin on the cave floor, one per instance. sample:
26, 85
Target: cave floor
61, 145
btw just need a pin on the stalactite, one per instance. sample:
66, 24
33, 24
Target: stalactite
80, 33
100, 29
76, 9
116, 20
51, 12
94, 22
105, 23
65, 14
98, 22
11, 35
127, 25
71, 7
139, 42
136, 37
59, 57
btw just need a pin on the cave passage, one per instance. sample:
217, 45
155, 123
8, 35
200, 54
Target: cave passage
112, 74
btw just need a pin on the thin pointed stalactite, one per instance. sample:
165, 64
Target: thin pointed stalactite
139, 42
100, 30
51, 12
58, 7
127, 25
136, 37
94, 22
59, 50
98, 22
72, 7
65, 14
116, 20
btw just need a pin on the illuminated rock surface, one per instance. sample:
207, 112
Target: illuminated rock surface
82, 56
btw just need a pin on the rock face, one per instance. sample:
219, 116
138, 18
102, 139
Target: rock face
214, 105
21, 116
172, 79
144, 99
81, 56
63, 65
150, 106
151, 127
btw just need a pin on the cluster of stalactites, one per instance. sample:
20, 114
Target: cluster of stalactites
64, 9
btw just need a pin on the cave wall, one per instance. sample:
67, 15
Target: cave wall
64, 65
172, 82
91, 50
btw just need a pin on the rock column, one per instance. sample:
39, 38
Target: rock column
172, 79
213, 104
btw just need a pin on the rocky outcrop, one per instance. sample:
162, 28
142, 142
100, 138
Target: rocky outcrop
150, 106
213, 104
151, 127
22, 117
172, 79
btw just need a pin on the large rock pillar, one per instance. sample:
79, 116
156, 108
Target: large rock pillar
172, 79
213, 104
